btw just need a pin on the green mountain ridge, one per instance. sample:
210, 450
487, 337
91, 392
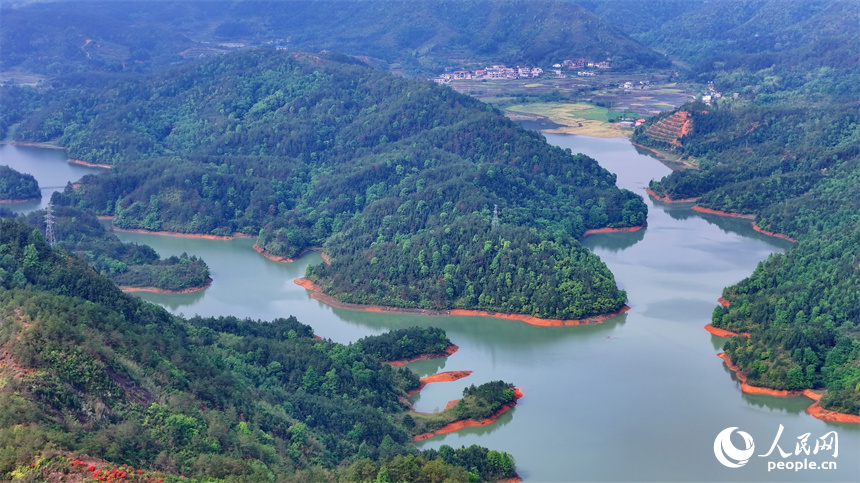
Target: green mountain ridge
299, 148
60, 39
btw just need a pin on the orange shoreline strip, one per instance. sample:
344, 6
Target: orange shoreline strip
725, 333
317, 294
770, 233
88, 164
814, 409
275, 258
464, 423
451, 349
440, 377
611, 230
666, 199
128, 289
702, 209
182, 235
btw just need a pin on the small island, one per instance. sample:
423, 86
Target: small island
480, 406
16, 186
131, 266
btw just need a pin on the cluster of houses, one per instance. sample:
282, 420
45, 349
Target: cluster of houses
522, 72
494, 72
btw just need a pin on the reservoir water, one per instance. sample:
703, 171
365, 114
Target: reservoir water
641, 397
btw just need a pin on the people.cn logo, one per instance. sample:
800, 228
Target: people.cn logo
725, 451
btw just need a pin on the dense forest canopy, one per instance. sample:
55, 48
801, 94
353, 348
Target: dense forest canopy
307, 151
17, 186
127, 264
62, 39
770, 50
89, 370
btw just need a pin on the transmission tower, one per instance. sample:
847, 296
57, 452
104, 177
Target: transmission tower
495, 216
49, 227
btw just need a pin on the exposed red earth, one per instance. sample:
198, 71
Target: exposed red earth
161, 290
274, 258
423, 357
465, 423
317, 294
814, 409
91, 165
611, 230
770, 233
182, 235
666, 199
440, 377
702, 209
725, 333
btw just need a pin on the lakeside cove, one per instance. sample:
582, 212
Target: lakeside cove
672, 272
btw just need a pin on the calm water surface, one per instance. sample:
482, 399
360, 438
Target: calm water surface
50, 168
641, 397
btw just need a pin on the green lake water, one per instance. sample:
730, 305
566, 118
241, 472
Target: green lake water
641, 397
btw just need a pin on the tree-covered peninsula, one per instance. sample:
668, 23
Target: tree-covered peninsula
88, 373
17, 186
428, 197
129, 265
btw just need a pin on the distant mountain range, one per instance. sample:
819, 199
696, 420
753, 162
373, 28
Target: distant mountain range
415, 37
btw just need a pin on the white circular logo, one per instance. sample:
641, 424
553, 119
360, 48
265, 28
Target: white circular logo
724, 448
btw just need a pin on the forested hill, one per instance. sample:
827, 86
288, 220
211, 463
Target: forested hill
798, 169
89, 373
65, 40
772, 50
297, 149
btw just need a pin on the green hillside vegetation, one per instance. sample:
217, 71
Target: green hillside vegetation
307, 152
402, 344
86, 369
127, 264
108, 39
770, 50
18, 186
797, 169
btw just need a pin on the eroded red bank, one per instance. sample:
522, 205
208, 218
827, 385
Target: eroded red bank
316, 293
725, 333
814, 409
465, 423
440, 377
161, 290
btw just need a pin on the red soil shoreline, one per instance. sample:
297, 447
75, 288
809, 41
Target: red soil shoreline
725, 333
451, 349
702, 209
182, 235
464, 423
316, 293
723, 302
275, 258
611, 230
770, 233
20, 200
440, 377
88, 164
666, 199
814, 409
128, 289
